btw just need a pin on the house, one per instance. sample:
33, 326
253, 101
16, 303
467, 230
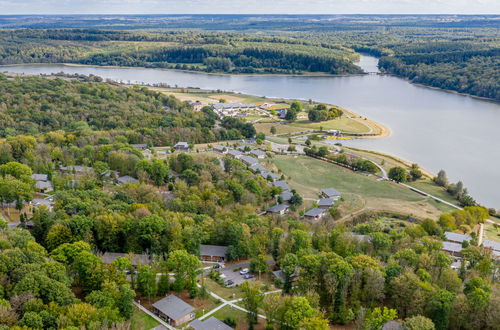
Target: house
270, 175
196, 106
43, 186
40, 177
451, 248
257, 168
280, 275
75, 168
286, 196
220, 149
258, 154
315, 214
278, 209
232, 109
48, 203
147, 153
234, 153
181, 146
127, 179
282, 184
209, 324
330, 193
494, 246
174, 310
456, 238
325, 203
242, 148
249, 160
214, 253
281, 113
135, 259
140, 146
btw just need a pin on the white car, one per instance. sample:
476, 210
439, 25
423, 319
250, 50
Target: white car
244, 271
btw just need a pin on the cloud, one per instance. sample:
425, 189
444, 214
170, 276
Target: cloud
248, 6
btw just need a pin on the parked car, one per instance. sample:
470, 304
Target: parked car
229, 283
248, 276
216, 266
244, 271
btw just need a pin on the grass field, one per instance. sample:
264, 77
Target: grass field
491, 232
140, 321
239, 316
359, 191
280, 128
345, 124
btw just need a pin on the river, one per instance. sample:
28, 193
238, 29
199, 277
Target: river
436, 129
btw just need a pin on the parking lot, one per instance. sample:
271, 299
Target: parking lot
236, 277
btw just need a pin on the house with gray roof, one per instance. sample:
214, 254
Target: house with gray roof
215, 253
181, 146
209, 324
43, 186
286, 196
452, 248
257, 168
159, 327
75, 168
494, 246
282, 184
39, 177
258, 154
270, 175
220, 149
234, 153
249, 160
278, 209
127, 179
315, 213
325, 203
174, 310
456, 238
330, 193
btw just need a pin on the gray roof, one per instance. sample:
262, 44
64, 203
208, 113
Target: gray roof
282, 184
452, 247
277, 208
43, 185
219, 148
126, 179
330, 192
39, 177
315, 212
41, 201
140, 146
173, 307
159, 327
491, 244
273, 176
249, 160
76, 168
135, 259
279, 274
286, 196
213, 250
209, 324
13, 225
233, 152
456, 237
231, 105
326, 202
181, 144
257, 167
258, 153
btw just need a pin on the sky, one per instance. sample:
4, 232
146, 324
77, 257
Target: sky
249, 7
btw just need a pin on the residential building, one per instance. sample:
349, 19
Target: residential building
209, 324
220, 149
75, 168
249, 160
43, 187
234, 153
270, 175
456, 238
214, 253
126, 179
286, 196
282, 184
325, 203
494, 246
48, 203
40, 177
315, 214
330, 193
257, 168
135, 259
196, 106
451, 248
278, 209
181, 146
232, 109
174, 310
258, 154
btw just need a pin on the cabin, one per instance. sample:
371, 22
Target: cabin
126, 179
174, 310
258, 154
209, 324
234, 153
269, 175
279, 209
453, 249
249, 160
257, 168
286, 196
135, 259
220, 149
43, 187
330, 193
315, 214
214, 253
326, 203
456, 238
181, 146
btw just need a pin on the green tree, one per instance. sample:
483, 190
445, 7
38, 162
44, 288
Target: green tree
398, 174
418, 322
184, 265
439, 308
146, 281
377, 317
252, 300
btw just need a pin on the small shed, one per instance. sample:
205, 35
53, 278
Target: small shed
216, 253
174, 310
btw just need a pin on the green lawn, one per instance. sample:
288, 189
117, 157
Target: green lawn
345, 124
491, 232
141, 320
430, 187
280, 128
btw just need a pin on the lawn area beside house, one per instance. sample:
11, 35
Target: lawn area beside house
141, 320
308, 176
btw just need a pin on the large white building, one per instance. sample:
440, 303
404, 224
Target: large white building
232, 109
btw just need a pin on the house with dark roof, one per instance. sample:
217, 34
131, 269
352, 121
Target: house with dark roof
234, 153
249, 160
330, 193
174, 310
181, 146
209, 324
257, 168
269, 175
282, 184
215, 253
456, 238
126, 179
286, 196
258, 154
315, 214
135, 259
278, 209
325, 203
451, 248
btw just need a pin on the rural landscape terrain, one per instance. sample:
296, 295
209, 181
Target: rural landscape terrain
130, 205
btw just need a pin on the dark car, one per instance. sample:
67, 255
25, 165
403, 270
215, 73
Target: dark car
248, 276
216, 266
229, 282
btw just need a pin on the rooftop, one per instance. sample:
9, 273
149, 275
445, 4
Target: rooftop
258, 152
452, 247
326, 202
277, 208
491, 244
314, 212
181, 144
286, 196
126, 179
39, 177
330, 192
455, 237
273, 176
249, 160
231, 105
257, 167
213, 250
209, 324
43, 185
234, 152
173, 307
282, 184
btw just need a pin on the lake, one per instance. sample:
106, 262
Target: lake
436, 129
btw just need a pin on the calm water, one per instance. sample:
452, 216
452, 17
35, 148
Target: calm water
435, 129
